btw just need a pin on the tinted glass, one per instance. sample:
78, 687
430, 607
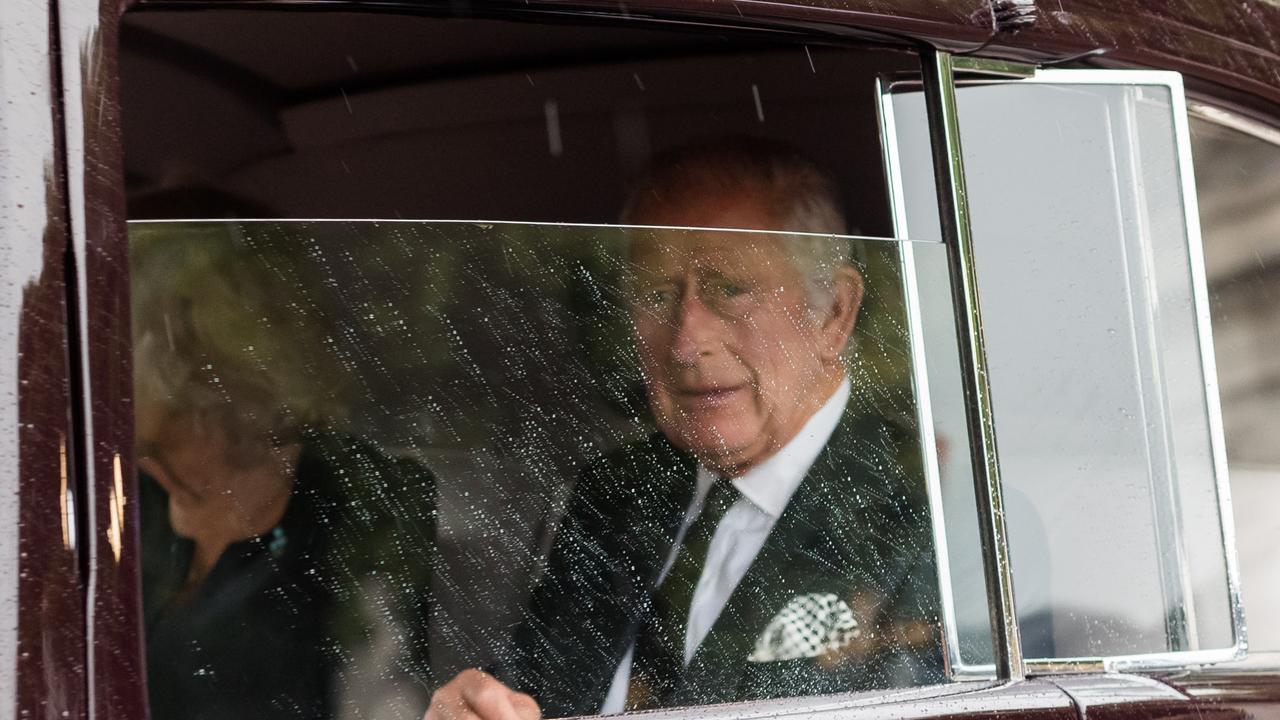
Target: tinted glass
485, 370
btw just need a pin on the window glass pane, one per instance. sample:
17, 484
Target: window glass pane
1238, 182
514, 375
1089, 312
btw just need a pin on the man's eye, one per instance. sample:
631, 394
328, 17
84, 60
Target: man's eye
727, 290
655, 297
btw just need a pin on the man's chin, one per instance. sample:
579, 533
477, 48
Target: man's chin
722, 453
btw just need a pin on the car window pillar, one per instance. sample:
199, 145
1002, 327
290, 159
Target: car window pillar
948, 165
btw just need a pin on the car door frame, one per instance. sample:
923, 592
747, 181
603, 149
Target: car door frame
85, 210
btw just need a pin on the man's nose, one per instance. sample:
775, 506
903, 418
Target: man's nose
694, 327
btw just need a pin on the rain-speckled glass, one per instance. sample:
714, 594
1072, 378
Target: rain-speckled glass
374, 454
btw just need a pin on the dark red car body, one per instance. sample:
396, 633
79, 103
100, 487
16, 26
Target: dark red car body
78, 640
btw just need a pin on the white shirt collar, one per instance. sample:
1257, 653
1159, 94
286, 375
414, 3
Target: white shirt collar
770, 485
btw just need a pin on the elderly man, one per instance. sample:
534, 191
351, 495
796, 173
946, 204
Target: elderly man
767, 542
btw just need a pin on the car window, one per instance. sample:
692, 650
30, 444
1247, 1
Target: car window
1237, 180
497, 361
641, 429
1087, 268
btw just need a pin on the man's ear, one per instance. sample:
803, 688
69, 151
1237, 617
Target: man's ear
841, 312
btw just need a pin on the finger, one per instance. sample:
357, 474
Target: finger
491, 700
451, 712
449, 701
450, 706
526, 707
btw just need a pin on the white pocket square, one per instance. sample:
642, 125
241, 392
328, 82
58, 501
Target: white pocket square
810, 625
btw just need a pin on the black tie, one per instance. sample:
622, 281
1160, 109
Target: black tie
659, 655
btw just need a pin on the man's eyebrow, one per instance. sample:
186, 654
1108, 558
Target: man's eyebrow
632, 272
629, 268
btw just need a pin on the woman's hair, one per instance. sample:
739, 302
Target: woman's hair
222, 342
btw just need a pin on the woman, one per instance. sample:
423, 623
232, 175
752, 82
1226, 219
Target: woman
286, 566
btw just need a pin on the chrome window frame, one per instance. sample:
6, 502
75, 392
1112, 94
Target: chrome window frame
939, 82
955, 224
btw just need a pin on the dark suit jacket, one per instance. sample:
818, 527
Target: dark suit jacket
857, 527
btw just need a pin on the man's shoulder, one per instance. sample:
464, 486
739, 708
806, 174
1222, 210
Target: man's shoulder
878, 457
638, 469
865, 495
343, 461
635, 491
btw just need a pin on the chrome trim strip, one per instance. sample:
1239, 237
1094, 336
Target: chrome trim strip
1131, 663
1060, 76
1260, 663
944, 130
920, 377
76, 20
456, 221
1239, 123
992, 66
1069, 665
1209, 365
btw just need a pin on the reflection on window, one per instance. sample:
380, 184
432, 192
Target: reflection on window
1093, 354
1238, 181
668, 467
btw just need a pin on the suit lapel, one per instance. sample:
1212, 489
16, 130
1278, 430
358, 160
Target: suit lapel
819, 544
659, 513
716, 668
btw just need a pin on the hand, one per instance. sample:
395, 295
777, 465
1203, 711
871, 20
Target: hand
476, 695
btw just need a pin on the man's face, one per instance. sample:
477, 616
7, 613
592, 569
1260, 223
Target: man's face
735, 358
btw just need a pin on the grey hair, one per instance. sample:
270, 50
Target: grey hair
218, 346
800, 197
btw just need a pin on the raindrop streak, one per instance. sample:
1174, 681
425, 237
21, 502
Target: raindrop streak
755, 93
552, 110
347, 100
809, 55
